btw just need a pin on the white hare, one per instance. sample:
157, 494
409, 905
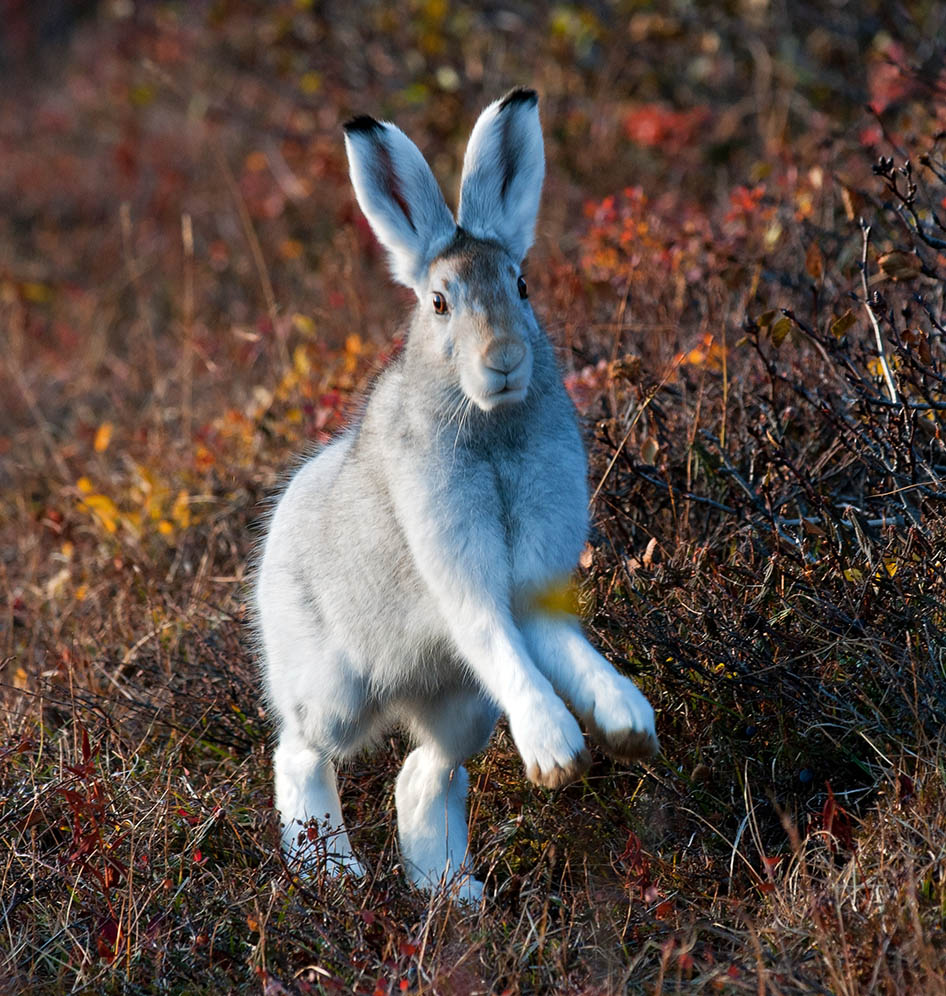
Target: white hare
399, 577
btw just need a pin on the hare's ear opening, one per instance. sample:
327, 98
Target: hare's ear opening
503, 171
399, 196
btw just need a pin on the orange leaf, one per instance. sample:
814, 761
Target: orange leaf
900, 265
814, 262
103, 436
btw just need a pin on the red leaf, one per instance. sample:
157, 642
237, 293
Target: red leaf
109, 939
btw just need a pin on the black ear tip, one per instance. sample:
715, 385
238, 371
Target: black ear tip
520, 95
361, 124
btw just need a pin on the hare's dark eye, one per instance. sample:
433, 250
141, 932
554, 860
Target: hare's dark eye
523, 290
440, 303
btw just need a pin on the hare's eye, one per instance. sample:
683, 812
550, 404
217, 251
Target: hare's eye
440, 303
523, 290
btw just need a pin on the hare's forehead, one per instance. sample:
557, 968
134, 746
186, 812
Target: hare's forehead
473, 267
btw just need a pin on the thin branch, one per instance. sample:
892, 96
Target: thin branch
888, 376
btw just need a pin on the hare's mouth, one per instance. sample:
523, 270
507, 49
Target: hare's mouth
499, 388
507, 396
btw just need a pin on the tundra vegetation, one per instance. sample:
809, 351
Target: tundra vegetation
741, 258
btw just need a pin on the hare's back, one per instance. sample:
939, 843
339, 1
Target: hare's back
301, 511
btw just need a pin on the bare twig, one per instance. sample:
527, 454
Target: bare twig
888, 376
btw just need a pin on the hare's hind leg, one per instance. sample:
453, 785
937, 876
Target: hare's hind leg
306, 790
323, 711
431, 790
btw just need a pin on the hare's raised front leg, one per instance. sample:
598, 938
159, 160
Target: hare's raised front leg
431, 790
464, 561
615, 711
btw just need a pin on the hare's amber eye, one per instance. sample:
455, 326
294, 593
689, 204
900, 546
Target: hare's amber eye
523, 290
440, 303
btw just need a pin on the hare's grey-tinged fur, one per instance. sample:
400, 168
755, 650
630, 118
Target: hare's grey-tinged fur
399, 577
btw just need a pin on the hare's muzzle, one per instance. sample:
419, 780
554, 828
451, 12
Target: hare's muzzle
504, 356
506, 370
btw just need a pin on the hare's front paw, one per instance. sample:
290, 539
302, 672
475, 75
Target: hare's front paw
623, 722
551, 744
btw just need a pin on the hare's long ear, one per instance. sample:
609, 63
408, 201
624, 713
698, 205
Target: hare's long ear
503, 171
399, 196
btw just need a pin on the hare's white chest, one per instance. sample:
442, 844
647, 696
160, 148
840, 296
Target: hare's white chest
543, 501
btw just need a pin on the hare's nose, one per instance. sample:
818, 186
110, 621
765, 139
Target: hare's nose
504, 356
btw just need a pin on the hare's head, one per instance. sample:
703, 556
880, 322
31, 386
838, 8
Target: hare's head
474, 318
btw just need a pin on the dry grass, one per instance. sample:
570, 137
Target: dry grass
188, 299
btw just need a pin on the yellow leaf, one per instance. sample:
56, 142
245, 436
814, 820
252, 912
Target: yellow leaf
104, 509
310, 83
780, 330
303, 324
37, 293
20, 677
103, 436
165, 528
300, 361
853, 575
181, 511
82, 592
875, 367
558, 598
84, 485
841, 324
